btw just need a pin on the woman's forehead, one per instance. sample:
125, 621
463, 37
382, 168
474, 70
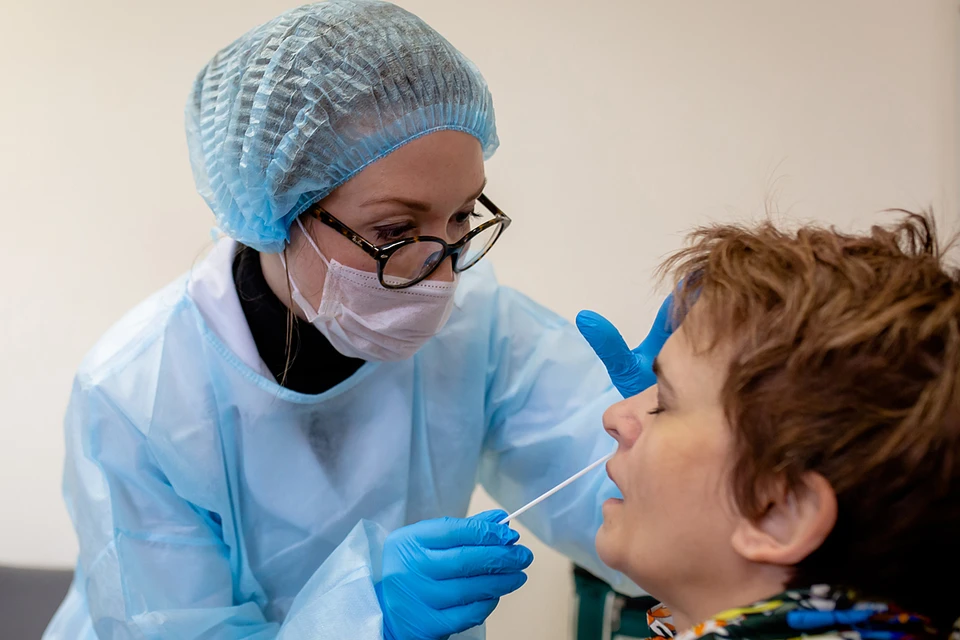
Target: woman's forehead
689, 367
429, 173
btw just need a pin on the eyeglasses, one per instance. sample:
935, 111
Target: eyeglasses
406, 262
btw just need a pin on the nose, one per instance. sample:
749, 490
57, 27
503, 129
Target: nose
624, 420
444, 272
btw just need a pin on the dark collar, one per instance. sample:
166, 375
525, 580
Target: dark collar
313, 366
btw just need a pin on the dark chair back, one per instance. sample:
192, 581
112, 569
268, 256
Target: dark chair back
28, 599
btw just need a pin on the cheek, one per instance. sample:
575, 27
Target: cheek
656, 458
678, 470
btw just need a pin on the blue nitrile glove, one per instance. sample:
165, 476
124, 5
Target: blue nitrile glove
630, 371
445, 576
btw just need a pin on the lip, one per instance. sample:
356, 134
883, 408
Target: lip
610, 503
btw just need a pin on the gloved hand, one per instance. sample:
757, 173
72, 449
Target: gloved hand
630, 371
447, 575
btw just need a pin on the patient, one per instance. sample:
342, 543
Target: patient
796, 469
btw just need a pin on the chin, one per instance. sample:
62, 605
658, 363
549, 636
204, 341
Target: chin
608, 549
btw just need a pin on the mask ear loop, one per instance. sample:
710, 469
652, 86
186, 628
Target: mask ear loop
313, 244
305, 306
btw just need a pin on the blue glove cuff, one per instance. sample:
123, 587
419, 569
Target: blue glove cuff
387, 634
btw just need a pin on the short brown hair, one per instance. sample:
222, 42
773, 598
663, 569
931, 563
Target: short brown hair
846, 362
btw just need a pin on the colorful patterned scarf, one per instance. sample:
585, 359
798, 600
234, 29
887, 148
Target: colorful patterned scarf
819, 612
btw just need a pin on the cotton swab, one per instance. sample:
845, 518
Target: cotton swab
572, 478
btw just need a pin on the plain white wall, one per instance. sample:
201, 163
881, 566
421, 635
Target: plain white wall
623, 123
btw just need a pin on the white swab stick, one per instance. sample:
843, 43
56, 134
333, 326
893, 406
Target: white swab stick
572, 478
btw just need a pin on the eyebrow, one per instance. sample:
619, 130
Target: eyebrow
661, 379
418, 205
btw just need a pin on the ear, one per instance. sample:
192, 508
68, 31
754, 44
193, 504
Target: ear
795, 524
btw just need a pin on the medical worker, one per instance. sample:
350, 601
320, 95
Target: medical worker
283, 442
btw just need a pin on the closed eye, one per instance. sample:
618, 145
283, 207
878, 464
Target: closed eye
659, 408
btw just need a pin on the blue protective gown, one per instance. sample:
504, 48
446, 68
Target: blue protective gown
212, 503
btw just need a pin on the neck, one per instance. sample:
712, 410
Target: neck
276, 276
692, 605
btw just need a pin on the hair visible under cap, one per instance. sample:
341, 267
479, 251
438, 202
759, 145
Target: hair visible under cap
846, 362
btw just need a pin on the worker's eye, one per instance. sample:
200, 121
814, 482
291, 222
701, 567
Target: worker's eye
394, 232
464, 217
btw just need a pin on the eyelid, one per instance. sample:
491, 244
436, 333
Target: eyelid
659, 408
392, 232
463, 216
662, 401
663, 389
394, 220
396, 225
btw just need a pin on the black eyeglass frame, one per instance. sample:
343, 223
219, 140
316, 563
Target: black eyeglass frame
382, 253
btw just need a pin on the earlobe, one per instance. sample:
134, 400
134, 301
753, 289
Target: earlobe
794, 525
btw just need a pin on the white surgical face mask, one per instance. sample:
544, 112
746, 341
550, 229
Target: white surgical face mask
363, 319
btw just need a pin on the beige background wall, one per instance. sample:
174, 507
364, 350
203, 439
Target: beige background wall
624, 122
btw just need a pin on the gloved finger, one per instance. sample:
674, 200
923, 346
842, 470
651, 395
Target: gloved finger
492, 515
608, 344
459, 619
462, 591
445, 564
496, 516
660, 332
622, 364
447, 533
